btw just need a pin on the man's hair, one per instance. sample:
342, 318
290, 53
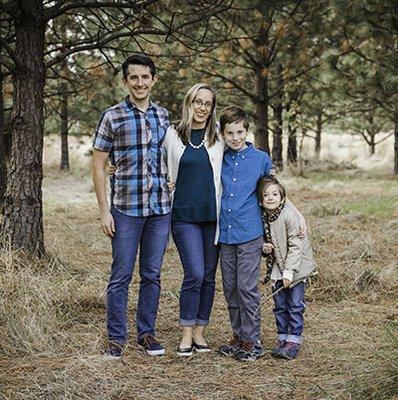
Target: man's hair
266, 181
138, 59
233, 114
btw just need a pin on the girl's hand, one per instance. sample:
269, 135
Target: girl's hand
171, 186
287, 283
268, 248
112, 169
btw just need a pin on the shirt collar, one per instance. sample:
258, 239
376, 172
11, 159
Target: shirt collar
131, 106
241, 153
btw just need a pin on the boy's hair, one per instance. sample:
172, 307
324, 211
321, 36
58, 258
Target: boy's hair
266, 181
233, 114
138, 59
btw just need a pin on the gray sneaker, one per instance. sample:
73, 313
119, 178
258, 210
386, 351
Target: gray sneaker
231, 348
250, 351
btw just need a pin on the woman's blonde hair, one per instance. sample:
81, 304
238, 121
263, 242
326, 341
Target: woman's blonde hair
185, 126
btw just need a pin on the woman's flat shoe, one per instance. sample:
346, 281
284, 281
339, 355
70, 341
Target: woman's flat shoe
201, 348
185, 352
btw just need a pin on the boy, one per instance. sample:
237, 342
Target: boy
241, 234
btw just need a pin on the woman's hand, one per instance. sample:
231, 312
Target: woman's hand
268, 248
112, 169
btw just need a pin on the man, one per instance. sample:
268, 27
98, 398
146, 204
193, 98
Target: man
130, 134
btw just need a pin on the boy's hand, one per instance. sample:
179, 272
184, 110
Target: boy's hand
268, 248
287, 283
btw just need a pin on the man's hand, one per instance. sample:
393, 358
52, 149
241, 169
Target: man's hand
268, 248
287, 283
171, 186
112, 169
107, 224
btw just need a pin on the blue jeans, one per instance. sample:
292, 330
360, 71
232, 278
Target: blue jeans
199, 257
289, 310
151, 234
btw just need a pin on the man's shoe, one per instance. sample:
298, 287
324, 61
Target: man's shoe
114, 351
201, 348
231, 348
290, 351
151, 345
250, 351
278, 348
185, 352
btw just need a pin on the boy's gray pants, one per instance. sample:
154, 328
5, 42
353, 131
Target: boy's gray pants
240, 268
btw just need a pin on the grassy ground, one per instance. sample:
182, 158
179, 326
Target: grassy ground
52, 313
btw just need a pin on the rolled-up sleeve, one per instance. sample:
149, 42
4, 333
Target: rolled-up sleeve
103, 139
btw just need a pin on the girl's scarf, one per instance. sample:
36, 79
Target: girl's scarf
269, 217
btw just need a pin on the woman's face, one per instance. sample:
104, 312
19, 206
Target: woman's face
202, 105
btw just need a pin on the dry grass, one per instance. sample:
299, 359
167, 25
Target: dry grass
52, 313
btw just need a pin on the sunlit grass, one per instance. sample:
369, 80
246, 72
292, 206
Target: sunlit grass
378, 207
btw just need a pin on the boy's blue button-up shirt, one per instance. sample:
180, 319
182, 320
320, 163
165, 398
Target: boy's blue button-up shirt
240, 219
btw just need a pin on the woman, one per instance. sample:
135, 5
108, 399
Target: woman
194, 160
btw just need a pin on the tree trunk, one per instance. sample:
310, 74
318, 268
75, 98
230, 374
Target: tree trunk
64, 123
64, 127
261, 133
23, 213
292, 145
3, 165
372, 145
277, 149
396, 145
318, 133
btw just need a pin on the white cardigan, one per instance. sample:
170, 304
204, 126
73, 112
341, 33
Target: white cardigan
175, 149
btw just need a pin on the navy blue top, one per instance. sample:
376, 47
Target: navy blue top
195, 195
240, 219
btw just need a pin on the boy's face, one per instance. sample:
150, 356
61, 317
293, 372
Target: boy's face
272, 197
235, 135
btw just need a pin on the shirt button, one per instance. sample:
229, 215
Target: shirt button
236, 163
243, 156
233, 157
229, 210
229, 226
234, 179
232, 194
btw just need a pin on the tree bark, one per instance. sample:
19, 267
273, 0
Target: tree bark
318, 133
261, 134
64, 122
23, 213
3, 153
292, 145
396, 144
277, 149
64, 115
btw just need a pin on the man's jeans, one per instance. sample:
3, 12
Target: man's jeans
199, 257
289, 310
151, 234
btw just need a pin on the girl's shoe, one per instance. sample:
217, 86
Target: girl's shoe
185, 352
290, 351
201, 348
276, 351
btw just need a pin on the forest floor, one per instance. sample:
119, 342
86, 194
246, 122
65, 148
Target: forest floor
52, 311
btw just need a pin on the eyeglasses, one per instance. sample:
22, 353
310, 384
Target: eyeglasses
199, 103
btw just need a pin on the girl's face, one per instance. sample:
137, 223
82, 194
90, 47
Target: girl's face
272, 197
202, 105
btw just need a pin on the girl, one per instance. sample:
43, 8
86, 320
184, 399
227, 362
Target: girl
194, 159
290, 262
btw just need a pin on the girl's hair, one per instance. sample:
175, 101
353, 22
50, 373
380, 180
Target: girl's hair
266, 181
185, 126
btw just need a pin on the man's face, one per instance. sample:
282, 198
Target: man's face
139, 82
235, 135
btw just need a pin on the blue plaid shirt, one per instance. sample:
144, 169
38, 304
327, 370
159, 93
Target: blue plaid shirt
133, 139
